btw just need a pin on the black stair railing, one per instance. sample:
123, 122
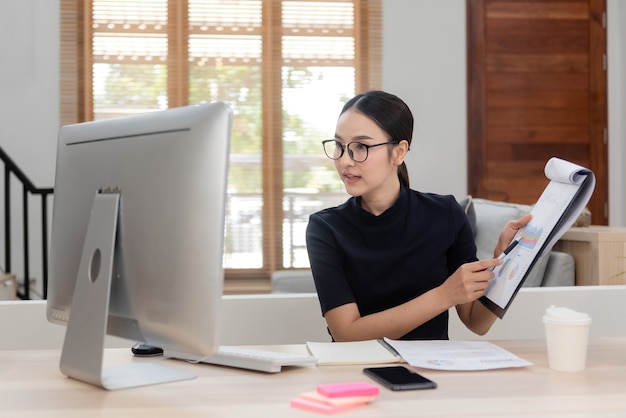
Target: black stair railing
28, 189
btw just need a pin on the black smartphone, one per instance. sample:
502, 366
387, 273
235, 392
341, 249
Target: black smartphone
399, 378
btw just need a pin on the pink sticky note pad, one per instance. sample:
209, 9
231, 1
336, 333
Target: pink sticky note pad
321, 407
345, 400
335, 390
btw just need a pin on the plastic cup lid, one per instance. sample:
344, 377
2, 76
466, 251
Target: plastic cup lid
565, 316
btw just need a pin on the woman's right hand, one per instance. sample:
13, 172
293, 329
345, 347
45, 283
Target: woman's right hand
470, 281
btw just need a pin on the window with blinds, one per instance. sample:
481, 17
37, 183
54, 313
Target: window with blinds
285, 68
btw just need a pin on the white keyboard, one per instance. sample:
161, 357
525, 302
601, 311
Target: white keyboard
254, 359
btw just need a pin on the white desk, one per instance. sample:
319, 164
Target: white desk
32, 386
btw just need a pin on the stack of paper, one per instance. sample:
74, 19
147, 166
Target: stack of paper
336, 397
456, 355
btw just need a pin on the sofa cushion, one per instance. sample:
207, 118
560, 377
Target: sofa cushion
293, 281
535, 277
491, 217
468, 206
560, 271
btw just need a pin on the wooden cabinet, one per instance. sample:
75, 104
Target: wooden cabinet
599, 253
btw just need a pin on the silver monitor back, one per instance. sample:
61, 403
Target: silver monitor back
170, 171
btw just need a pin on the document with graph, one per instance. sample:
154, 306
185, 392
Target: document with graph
558, 207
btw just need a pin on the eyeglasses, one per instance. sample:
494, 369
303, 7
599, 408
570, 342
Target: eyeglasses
357, 151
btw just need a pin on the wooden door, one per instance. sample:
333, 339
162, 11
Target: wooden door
536, 89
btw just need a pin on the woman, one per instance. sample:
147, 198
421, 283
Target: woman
391, 261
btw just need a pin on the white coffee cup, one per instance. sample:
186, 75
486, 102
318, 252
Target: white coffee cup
567, 333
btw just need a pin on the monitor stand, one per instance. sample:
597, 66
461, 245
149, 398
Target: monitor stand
83, 348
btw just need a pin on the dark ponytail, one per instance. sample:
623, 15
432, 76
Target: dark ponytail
391, 114
403, 174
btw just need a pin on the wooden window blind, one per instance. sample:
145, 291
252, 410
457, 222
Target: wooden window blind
285, 67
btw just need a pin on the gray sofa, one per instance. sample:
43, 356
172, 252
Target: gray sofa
488, 218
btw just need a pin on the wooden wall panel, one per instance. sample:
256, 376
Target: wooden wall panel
536, 89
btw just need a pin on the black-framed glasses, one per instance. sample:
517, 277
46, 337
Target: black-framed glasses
357, 151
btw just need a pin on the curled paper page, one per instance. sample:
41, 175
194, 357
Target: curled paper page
564, 171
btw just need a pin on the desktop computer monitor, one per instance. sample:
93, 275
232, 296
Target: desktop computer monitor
137, 237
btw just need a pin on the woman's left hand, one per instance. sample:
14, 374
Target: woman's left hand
510, 229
